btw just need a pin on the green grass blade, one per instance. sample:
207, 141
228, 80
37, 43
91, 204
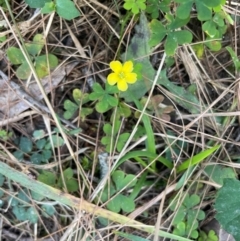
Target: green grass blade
196, 159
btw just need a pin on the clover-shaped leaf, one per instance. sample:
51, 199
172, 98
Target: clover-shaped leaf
66, 9
70, 109
122, 140
154, 7
204, 8
109, 139
36, 46
122, 180
104, 97
41, 64
121, 202
191, 201
173, 37
211, 236
135, 5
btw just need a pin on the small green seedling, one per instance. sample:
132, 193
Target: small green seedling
71, 107
185, 221
65, 8
42, 62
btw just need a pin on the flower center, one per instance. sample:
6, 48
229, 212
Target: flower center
121, 75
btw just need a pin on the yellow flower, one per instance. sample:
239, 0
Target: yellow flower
122, 75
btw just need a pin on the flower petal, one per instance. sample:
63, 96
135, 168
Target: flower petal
127, 67
131, 78
112, 78
116, 66
122, 85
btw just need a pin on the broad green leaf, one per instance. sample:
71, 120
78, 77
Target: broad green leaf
36, 4
227, 206
66, 9
36, 46
218, 173
15, 55
139, 50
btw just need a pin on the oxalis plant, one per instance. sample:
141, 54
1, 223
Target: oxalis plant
43, 63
